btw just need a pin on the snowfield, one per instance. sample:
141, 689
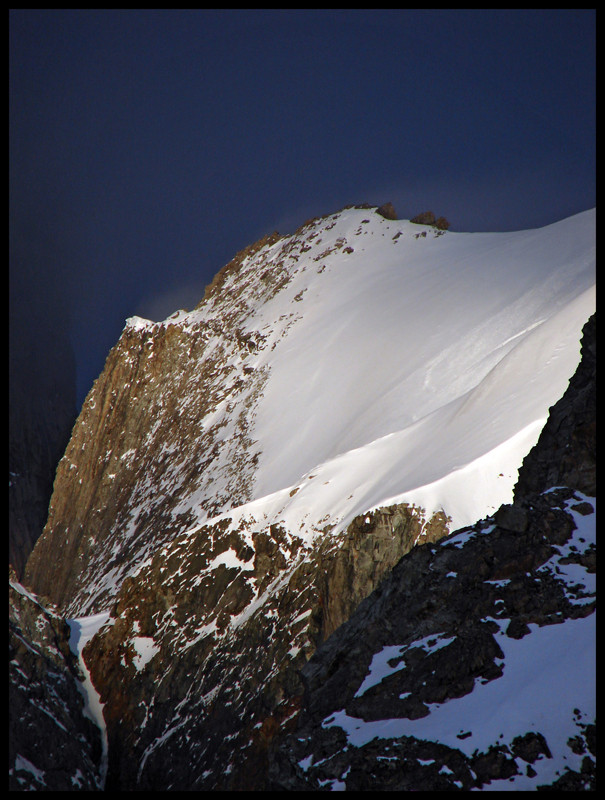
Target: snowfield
419, 365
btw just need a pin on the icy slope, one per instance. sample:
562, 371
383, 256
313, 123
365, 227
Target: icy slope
420, 367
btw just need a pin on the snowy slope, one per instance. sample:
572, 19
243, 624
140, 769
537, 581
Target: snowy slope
419, 366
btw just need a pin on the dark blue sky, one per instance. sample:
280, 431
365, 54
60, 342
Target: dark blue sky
147, 147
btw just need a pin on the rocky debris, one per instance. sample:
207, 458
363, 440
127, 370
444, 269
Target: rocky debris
53, 745
387, 211
428, 218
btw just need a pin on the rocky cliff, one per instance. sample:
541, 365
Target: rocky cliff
243, 476
53, 744
198, 663
142, 446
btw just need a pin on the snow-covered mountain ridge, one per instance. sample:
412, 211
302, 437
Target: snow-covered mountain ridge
243, 475
357, 363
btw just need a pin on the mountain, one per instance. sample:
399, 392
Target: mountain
243, 475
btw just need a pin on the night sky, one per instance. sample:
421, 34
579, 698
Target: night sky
148, 147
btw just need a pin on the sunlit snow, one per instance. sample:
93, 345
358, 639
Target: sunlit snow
416, 370
145, 649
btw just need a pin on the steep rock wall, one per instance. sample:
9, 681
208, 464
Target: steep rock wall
141, 447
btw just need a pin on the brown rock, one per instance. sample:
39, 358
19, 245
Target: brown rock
387, 211
426, 218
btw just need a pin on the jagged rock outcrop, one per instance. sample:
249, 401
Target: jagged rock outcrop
521, 575
387, 210
53, 745
428, 218
227, 619
566, 452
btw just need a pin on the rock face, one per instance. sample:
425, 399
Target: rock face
53, 746
112, 492
249, 612
567, 446
375, 690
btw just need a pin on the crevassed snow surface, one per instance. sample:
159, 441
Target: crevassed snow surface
417, 368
